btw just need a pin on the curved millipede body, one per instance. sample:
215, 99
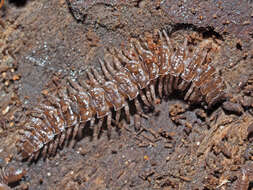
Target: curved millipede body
150, 69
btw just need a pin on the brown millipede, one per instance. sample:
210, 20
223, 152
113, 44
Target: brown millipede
150, 69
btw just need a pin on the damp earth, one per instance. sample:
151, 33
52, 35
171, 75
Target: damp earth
178, 146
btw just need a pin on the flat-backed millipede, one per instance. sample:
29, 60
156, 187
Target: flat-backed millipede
148, 70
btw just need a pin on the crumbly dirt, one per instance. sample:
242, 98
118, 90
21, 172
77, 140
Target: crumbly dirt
178, 146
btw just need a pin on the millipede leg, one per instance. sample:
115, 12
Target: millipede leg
92, 121
56, 143
144, 99
98, 77
137, 106
63, 135
170, 84
186, 49
175, 83
127, 113
97, 128
109, 123
137, 122
188, 93
111, 69
148, 95
75, 131
44, 151
105, 71
166, 84
50, 148
167, 40
36, 155
152, 90
160, 86
68, 134
80, 130
31, 158
117, 116
183, 85
137, 119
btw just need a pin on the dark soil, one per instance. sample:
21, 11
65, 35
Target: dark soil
178, 147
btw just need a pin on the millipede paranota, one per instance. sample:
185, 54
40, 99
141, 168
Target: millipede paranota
148, 70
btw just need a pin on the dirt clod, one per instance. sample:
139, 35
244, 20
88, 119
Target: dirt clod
178, 146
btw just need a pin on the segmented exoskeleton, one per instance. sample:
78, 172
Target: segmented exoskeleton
150, 69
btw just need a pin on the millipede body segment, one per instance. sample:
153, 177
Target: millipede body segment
148, 70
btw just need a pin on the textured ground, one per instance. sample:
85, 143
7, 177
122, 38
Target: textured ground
179, 147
